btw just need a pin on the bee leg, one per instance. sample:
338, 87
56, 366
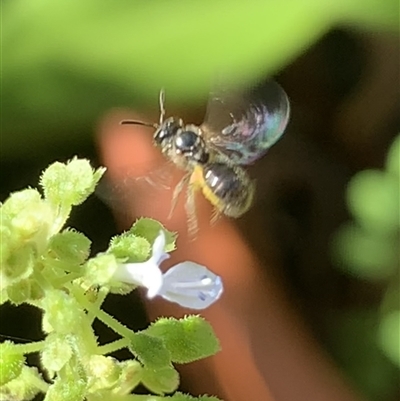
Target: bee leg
175, 195
190, 207
216, 214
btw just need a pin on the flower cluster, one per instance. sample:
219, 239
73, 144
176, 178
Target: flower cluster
48, 267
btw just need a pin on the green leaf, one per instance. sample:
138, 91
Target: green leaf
70, 61
149, 229
131, 375
187, 339
161, 381
150, 351
11, 362
70, 246
369, 14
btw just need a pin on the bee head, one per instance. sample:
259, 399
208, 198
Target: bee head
165, 133
189, 143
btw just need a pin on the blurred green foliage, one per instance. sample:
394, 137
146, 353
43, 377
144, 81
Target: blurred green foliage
354, 336
64, 63
368, 248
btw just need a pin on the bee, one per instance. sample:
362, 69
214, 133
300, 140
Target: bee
238, 129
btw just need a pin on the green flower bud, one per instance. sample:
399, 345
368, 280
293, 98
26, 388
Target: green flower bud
66, 390
150, 229
19, 292
18, 265
56, 353
5, 241
102, 372
100, 269
28, 217
11, 362
24, 387
34, 223
62, 313
71, 183
130, 247
20, 201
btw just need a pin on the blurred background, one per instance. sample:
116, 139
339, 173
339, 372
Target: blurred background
328, 197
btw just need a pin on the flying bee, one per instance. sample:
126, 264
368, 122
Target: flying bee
238, 129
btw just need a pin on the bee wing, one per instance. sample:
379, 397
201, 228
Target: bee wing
245, 125
120, 188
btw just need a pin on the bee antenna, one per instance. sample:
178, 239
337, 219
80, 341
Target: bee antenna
15, 338
137, 122
162, 105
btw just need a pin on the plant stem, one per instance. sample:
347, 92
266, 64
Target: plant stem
29, 348
113, 346
100, 314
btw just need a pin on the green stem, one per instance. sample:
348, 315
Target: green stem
38, 382
42, 281
101, 296
63, 213
104, 317
61, 265
29, 348
113, 346
60, 281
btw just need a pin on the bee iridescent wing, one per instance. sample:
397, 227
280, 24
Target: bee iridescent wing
129, 186
244, 126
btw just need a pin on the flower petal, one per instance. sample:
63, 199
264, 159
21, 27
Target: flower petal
158, 253
191, 285
146, 274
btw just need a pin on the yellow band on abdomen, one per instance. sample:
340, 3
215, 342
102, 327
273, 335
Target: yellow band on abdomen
197, 182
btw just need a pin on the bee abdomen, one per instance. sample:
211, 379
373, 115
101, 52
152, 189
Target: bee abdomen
228, 188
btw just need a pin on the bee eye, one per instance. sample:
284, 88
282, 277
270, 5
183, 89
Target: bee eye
186, 140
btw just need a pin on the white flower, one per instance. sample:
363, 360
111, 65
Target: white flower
188, 284
146, 274
191, 285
